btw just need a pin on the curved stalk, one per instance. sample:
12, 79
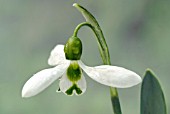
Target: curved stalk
79, 26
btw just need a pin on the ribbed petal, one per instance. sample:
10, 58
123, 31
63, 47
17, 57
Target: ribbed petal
65, 85
113, 76
57, 56
41, 80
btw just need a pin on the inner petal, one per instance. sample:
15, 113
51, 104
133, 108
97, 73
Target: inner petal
73, 88
73, 81
68, 87
74, 72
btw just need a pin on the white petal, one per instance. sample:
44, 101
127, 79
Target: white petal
65, 84
112, 75
41, 80
57, 56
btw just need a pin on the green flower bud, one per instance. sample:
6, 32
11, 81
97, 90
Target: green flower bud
73, 49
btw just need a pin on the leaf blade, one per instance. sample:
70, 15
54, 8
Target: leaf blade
152, 97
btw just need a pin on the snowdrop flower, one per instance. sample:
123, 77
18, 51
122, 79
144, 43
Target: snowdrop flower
68, 69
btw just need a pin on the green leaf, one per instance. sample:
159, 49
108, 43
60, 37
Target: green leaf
152, 97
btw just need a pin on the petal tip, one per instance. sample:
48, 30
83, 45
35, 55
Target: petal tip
25, 94
75, 4
139, 80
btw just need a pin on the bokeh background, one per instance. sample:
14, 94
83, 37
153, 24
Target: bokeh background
138, 37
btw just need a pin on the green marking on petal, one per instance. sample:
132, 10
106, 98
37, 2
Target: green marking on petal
74, 72
59, 90
73, 87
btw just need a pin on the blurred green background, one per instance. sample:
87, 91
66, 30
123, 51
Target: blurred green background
137, 33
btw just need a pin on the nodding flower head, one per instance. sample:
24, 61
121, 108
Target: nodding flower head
69, 70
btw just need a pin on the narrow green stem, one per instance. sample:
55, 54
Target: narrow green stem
79, 26
115, 101
103, 48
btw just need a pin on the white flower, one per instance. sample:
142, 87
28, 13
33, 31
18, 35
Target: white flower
71, 77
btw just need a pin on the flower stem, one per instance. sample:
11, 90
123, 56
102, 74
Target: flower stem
115, 100
79, 26
103, 48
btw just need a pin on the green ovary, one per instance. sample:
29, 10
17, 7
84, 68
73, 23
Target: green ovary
73, 48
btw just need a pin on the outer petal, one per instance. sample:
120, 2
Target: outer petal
65, 84
112, 75
57, 56
41, 80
